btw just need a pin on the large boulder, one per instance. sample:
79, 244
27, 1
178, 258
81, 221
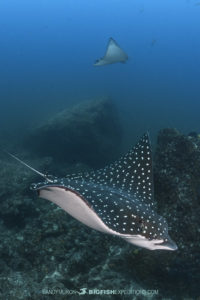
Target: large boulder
89, 133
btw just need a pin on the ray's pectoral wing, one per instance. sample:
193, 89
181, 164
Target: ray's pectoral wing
75, 205
80, 209
114, 52
132, 173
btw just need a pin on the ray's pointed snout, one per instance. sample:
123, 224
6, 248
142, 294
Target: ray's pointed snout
169, 244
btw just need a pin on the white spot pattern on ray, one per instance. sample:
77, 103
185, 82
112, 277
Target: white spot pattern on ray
122, 194
132, 173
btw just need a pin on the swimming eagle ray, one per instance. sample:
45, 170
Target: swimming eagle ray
117, 199
114, 54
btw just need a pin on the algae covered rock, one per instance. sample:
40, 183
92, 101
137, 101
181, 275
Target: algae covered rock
177, 190
89, 133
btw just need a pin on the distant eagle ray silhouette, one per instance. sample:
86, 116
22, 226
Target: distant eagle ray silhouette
114, 54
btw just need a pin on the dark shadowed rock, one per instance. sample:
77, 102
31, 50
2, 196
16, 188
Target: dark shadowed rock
89, 133
177, 186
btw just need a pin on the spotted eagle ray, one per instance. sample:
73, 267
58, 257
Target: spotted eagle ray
113, 54
117, 200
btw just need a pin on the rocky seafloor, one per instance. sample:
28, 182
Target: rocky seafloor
46, 254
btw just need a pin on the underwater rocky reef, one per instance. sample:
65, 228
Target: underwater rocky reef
89, 133
42, 248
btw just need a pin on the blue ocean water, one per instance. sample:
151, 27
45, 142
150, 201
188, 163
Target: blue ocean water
48, 49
